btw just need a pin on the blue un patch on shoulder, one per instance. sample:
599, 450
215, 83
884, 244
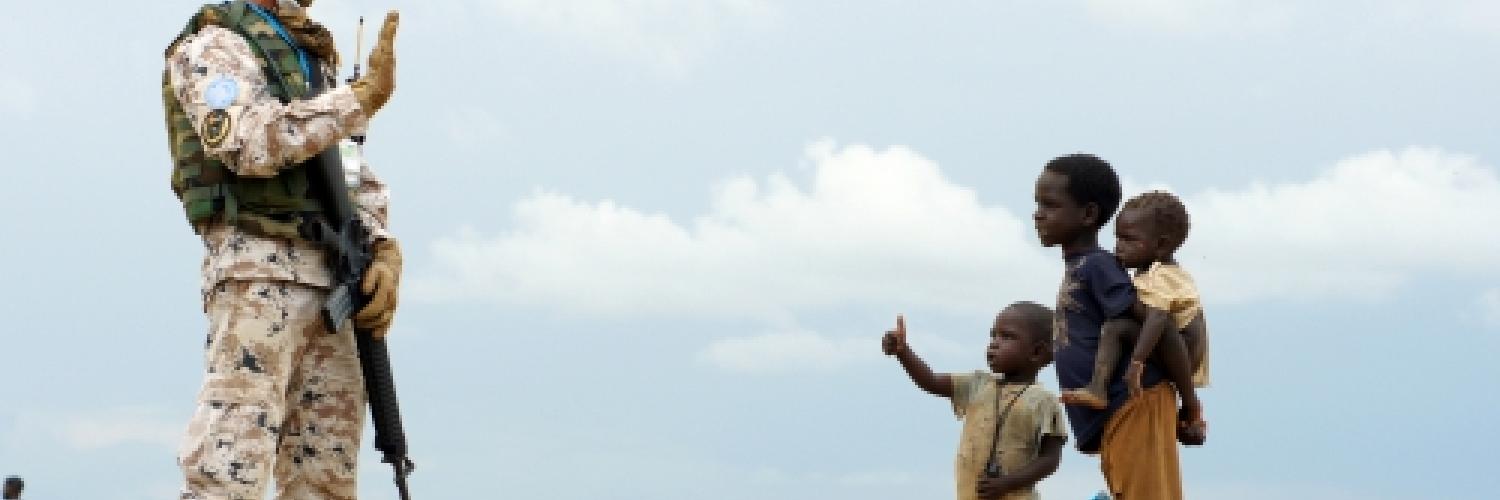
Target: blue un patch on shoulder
221, 92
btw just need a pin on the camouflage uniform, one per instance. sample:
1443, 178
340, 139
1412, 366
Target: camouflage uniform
283, 396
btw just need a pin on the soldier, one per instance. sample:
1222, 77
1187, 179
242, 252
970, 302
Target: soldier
282, 397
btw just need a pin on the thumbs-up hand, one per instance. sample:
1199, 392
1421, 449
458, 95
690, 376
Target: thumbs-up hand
894, 341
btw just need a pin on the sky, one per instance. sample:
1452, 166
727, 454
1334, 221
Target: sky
651, 245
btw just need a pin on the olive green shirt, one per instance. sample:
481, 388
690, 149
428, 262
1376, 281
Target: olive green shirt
1036, 413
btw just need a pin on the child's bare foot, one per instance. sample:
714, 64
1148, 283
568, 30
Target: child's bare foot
1192, 430
1084, 397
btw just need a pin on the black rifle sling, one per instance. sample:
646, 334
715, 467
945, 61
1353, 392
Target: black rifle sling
991, 465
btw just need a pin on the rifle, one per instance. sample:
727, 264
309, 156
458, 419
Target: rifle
346, 242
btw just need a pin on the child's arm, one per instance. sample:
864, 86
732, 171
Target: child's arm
1049, 455
894, 344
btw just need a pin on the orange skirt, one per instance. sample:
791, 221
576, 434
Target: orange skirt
1139, 449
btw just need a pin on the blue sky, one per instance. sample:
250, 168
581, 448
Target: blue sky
651, 244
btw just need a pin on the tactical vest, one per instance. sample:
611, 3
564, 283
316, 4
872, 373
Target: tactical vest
209, 190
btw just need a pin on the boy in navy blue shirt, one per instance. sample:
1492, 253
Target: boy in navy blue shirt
1135, 437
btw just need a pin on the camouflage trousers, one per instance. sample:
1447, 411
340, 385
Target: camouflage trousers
283, 398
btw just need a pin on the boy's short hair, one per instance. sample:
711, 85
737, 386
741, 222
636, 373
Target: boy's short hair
1090, 180
1036, 319
1169, 217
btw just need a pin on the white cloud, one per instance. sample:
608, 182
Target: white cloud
1489, 307
803, 351
1387, 18
667, 34
885, 228
1477, 16
114, 427
1392, 17
785, 351
1194, 16
1360, 229
473, 127
873, 227
18, 98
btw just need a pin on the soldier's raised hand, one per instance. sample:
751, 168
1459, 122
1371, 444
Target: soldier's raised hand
374, 89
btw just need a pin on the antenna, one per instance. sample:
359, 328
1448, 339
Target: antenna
359, 52
359, 48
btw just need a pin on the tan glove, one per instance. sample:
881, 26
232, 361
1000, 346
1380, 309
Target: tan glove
375, 88
381, 282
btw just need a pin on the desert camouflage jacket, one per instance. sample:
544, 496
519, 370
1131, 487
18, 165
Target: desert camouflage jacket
264, 136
